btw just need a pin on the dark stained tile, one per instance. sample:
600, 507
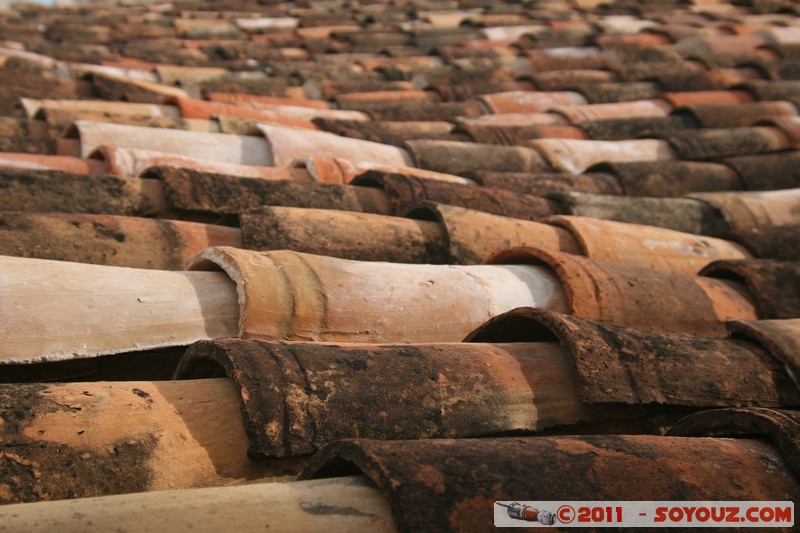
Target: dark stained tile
663, 136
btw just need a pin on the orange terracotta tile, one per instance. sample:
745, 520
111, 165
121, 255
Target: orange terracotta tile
682, 99
74, 165
638, 108
136, 162
287, 144
529, 101
225, 148
238, 98
339, 170
202, 109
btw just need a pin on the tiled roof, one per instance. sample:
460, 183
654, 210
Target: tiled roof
367, 264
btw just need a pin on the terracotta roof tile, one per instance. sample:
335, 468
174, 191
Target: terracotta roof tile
680, 214
124, 411
185, 189
705, 144
646, 246
386, 504
774, 285
775, 242
746, 210
463, 494
348, 235
338, 170
529, 101
38, 161
47, 191
606, 376
349, 168
616, 294
780, 427
515, 135
225, 148
392, 132
110, 240
671, 178
739, 115
599, 93
577, 156
632, 128
405, 191
542, 184
471, 237
376, 381
750, 169
136, 162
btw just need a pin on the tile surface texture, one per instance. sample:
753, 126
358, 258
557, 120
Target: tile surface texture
362, 265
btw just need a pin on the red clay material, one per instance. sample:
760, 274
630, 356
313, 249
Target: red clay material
348, 235
391, 132
421, 111
110, 240
736, 115
74, 165
343, 171
347, 101
456, 157
298, 397
294, 296
774, 286
287, 144
405, 192
47, 191
565, 80
471, 237
624, 295
781, 338
789, 125
784, 170
631, 128
124, 437
576, 156
602, 93
680, 214
698, 145
772, 90
771, 242
647, 246
451, 485
671, 178
200, 109
238, 98
225, 148
133, 162
683, 99
189, 190
669, 369
541, 184
634, 109
747, 210
780, 427
529, 101
513, 135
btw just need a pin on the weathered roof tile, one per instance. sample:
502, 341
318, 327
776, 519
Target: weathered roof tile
670, 369
621, 294
470, 474
681, 115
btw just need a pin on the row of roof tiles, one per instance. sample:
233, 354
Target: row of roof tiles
420, 132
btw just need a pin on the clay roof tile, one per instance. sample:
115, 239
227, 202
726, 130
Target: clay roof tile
344, 171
